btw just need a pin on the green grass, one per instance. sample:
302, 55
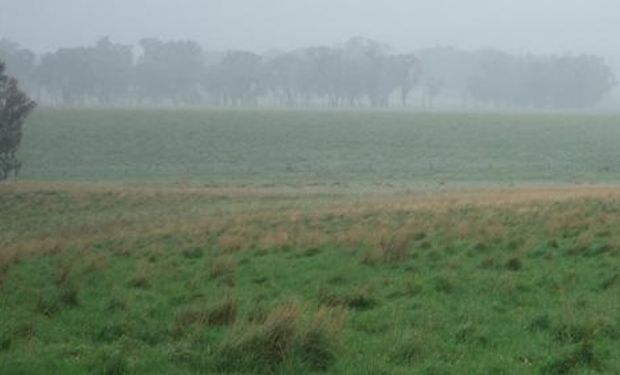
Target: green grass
359, 149
512, 282
226, 242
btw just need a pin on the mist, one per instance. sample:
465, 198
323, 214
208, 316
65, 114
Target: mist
485, 54
527, 26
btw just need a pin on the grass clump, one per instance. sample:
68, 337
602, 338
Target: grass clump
581, 355
52, 301
395, 250
356, 300
283, 340
223, 265
110, 362
514, 264
540, 323
388, 251
450, 304
141, 278
68, 295
445, 284
408, 348
139, 281
192, 253
223, 313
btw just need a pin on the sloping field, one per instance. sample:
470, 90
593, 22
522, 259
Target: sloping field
283, 242
113, 279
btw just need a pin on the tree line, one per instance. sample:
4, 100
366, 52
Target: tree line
360, 72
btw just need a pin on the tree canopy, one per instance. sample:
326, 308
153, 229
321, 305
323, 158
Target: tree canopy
15, 106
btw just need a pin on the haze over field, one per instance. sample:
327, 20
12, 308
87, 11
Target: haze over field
485, 55
536, 26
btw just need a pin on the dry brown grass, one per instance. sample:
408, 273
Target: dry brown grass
443, 197
255, 223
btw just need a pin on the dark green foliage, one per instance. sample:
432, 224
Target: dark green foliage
140, 281
68, 295
445, 284
111, 332
317, 350
15, 106
193, 253
610, 282
5, 341
311, 252
110, 362
540, 323
581, 355
514, 264
358, 300
223, 313
408, 349
47, 304
572, 333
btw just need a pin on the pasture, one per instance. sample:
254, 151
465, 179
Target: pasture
355, 149
337, 242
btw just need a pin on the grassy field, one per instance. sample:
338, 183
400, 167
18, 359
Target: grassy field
223, 242
359, 149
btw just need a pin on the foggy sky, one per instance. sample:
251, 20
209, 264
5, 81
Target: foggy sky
519, 26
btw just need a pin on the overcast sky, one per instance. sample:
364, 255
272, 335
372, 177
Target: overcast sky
521, 26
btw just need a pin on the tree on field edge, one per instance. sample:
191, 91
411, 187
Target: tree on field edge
15, 106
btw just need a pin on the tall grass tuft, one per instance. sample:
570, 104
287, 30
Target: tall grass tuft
223, 265
283, 340
223, 313
7, 258
357, 300
581, 355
